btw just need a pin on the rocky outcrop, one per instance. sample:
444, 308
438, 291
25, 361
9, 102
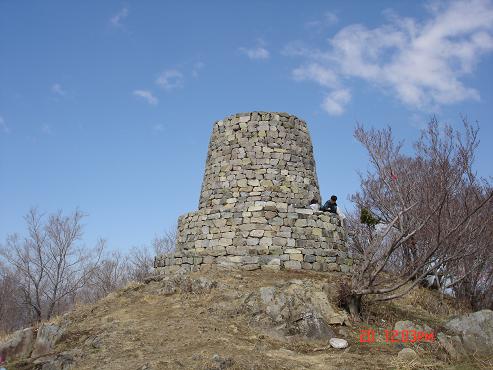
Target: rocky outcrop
295, 308
28, 343
48, 336
470, 334
19, 345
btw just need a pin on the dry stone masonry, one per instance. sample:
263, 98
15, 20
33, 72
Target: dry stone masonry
253, 211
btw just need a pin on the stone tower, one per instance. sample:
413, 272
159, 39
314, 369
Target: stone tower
253, 211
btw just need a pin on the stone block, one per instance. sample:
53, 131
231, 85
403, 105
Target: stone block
296, 257
292, 265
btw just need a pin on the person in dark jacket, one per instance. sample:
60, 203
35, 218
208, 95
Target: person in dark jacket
330, 205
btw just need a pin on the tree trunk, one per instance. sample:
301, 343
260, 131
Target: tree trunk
354, 306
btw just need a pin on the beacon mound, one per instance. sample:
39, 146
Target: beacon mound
253, 211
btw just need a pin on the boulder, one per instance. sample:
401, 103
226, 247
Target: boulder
452, 344
48, 336
469, 334
19, 345
409, 325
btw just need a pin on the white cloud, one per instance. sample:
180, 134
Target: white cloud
57, 89
315, 72
3, 126
335, 102
170, 79
118, 18
256, 53
421, 63
327, 20
147, 95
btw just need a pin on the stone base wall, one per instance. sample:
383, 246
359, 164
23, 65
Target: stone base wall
264, 235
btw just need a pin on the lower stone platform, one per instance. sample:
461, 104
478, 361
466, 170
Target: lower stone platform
264, 235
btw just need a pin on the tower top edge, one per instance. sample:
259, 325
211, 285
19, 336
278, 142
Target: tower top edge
261, 113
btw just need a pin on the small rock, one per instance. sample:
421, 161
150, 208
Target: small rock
222, 363
407, 354
338, 343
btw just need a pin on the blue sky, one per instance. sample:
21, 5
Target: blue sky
108, 106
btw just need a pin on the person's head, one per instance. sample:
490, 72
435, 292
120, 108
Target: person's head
314, 201
333, 199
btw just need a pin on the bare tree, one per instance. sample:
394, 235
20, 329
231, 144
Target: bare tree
50, 262
111, 274
141, 263
430, 208
11, 314
165, 243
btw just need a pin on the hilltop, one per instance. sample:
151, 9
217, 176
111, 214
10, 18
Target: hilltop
239, 320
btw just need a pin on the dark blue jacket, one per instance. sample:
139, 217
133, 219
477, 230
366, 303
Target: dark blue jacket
329, 207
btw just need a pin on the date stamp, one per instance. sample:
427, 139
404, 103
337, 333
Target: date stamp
397, 336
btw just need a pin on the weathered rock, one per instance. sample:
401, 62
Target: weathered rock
184, 283
295, 308
338, 343
410, 326
19, 345
47, 338
407, 354
452, 345
471, 334
61, 361
222, 363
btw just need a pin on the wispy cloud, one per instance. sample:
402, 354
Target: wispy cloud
170, 79
316, 72
57, 89
147, 96
258, 52
46, 129
420, 63
3, 126
335, 102
197, 67
158, 127
117, 19
328, 19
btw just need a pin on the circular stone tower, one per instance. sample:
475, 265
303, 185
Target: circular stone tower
253, 211
259, 157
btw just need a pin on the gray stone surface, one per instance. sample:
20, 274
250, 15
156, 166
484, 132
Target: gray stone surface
47, 338
259, 179
470, 334
338, 343
297, 308
18, 345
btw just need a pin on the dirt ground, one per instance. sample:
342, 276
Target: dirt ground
141, 328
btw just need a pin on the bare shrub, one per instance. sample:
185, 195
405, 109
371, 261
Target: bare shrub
431, 209
50, 263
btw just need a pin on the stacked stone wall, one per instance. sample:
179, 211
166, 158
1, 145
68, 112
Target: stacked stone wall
253, 211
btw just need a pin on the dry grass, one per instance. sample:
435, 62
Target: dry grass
139, 327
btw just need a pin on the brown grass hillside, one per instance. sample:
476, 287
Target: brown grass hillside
146, 327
